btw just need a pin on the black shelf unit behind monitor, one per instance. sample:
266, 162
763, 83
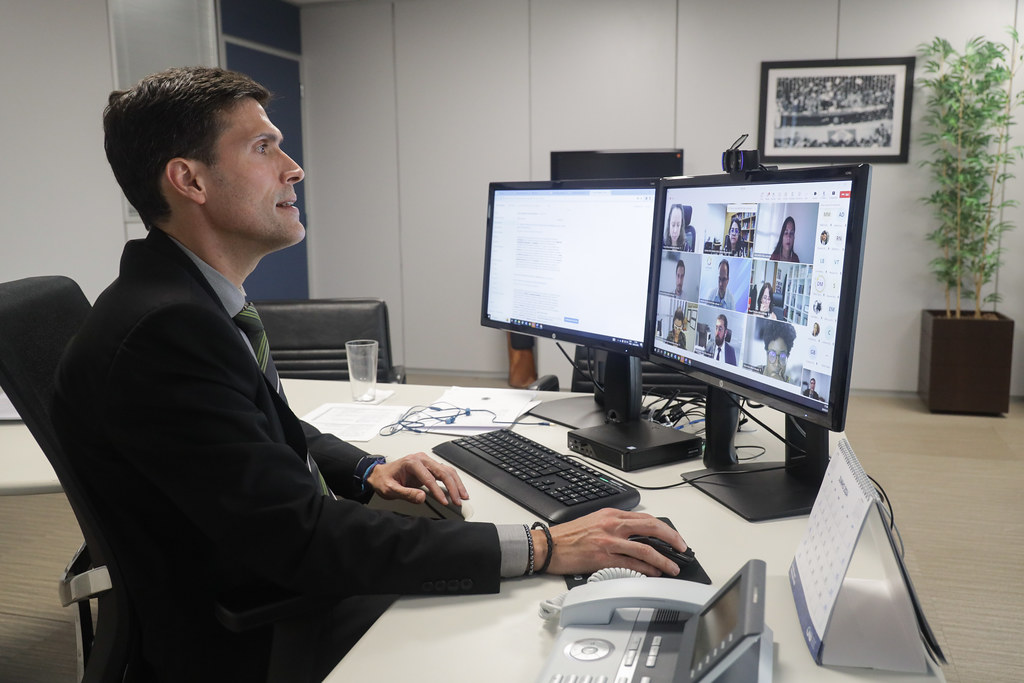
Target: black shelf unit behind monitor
616, 163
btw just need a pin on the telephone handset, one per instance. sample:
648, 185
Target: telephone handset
595, 603
662, 629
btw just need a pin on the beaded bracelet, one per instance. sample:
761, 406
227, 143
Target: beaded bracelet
529, 542
551, 547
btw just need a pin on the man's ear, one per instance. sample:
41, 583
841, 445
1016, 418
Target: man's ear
183, 178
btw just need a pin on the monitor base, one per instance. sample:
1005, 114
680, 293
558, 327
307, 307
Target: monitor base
575, 412
757, 492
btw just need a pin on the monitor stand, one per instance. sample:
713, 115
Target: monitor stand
620, 401
573, 412
761, 491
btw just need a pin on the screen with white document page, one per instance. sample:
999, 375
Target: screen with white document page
571, 262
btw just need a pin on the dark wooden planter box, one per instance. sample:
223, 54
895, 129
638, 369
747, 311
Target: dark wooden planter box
965, 363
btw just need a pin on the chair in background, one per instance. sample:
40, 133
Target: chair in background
307, 336
654, 377
38, 317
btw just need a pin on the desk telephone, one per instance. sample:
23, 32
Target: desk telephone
633, 630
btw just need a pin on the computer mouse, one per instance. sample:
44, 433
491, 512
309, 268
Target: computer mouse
682, 559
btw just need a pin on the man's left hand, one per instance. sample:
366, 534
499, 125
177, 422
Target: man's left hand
402, 479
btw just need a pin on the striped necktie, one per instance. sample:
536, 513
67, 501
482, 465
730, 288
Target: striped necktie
248, 320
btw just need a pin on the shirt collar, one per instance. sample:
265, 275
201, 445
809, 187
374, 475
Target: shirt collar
231, 298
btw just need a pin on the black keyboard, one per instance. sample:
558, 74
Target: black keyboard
548, 484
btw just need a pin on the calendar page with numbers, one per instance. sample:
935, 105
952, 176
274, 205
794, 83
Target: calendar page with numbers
824, 553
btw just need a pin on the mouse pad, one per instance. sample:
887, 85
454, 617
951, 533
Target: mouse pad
691, 572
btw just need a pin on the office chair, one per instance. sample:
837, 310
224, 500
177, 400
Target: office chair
38, 317
307, 336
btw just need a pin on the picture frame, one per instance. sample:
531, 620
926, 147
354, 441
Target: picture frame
836, 110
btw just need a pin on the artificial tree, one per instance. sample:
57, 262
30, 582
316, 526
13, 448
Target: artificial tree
969, 114
970, 106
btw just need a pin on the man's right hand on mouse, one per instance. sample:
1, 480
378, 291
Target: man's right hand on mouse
601, 540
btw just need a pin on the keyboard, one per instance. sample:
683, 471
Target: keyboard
547, 483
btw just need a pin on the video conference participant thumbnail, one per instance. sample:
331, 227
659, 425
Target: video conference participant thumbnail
680, 275
725, 282
786, 231
721, 334
778, 351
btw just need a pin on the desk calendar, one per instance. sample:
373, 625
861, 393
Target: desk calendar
852, 621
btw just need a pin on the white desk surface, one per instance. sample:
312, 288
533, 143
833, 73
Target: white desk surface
501, 637
23, 467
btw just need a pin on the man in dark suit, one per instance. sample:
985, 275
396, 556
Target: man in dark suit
717, 347
188, 447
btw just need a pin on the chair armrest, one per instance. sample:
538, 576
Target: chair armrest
295, 624
544, 383
243, 613
397, 374
81, 581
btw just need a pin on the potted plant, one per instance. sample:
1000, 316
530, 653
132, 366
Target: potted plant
966, 349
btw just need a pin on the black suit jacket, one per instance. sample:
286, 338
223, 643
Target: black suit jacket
199, 468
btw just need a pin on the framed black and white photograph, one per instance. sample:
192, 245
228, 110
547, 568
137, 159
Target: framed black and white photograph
845, 110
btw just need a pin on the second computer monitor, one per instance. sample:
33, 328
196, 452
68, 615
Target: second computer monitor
572, 261
756, 293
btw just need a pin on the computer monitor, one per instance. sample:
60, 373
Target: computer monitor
616, 163
571, 261
757, 279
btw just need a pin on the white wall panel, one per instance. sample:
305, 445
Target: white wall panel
721, 47
62, 210
463, 104
601, 77
352, 156
897, 282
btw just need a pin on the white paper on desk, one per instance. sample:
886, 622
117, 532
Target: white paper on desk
354, 421
488, 408
7, 411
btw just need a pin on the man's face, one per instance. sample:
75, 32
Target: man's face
723, 280
720, 332
812, 385
680, 273
250, 187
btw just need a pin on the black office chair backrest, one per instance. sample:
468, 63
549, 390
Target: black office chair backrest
38, 317
654, 377
307, 337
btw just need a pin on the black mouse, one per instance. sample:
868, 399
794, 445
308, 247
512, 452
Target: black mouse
682, 559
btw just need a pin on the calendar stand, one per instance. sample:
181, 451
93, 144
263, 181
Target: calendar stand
874, 622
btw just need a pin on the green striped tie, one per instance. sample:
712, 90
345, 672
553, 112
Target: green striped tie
248, 320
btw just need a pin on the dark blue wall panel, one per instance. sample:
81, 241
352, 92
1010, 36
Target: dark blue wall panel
283, 274
268, 22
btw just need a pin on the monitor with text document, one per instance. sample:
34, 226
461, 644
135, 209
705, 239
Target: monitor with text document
757, 279
571, 261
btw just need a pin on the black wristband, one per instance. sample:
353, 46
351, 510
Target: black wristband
364, 467
551, 546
